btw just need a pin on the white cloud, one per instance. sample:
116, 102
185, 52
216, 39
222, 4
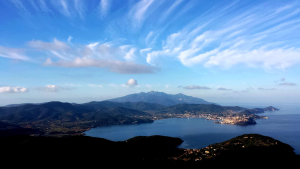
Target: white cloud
170, 10
8, 89
69, 39
94, 85
43, 5
248, 39
62, 7
13, 53
104, 6
261, 88
113, 85
131, 83
113, 65
130, 54
191, 87
54, 88
96, 54
21, 8
148, 37
80, 8
138, 13
275, 58
145, 50
288, 84
56, 45
222, 88
148, 86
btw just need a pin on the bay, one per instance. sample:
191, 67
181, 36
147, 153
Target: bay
283, 125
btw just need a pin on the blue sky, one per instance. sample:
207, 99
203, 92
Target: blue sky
78, 51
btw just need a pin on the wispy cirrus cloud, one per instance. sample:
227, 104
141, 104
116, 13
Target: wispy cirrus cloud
192, 87
288, 84
250, 38
13, 53
222, 88
104, 6
80, 8
261, 88
138, 12
62, 7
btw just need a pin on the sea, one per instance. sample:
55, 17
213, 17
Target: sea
196, 133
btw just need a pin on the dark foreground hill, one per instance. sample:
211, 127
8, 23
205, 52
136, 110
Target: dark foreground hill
139, 152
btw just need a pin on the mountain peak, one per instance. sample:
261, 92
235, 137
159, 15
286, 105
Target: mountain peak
152, 92
160, 98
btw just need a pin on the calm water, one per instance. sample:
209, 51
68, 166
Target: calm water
283, 125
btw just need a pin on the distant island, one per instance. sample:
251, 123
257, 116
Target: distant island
64, 119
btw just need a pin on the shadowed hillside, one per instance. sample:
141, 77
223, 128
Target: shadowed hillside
251, 149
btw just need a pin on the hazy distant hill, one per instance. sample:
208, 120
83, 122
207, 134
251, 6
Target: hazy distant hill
160, 98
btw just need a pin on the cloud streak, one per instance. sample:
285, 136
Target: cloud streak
138, 12
9, 89
13, 53
112, 65
222, 88
239, 40
288, 84
104, 6
53, 88
192, 87
261, 88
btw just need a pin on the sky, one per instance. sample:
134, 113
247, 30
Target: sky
245, 51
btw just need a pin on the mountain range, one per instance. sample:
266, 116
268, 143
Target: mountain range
160, 98
57, 117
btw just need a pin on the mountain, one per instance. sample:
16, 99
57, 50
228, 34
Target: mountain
259, 110
270, 108
58, 117
198, 109
160, 98
142, 106
193, 108
43, 112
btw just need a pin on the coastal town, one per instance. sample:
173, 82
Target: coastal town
224, 118
239, 143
